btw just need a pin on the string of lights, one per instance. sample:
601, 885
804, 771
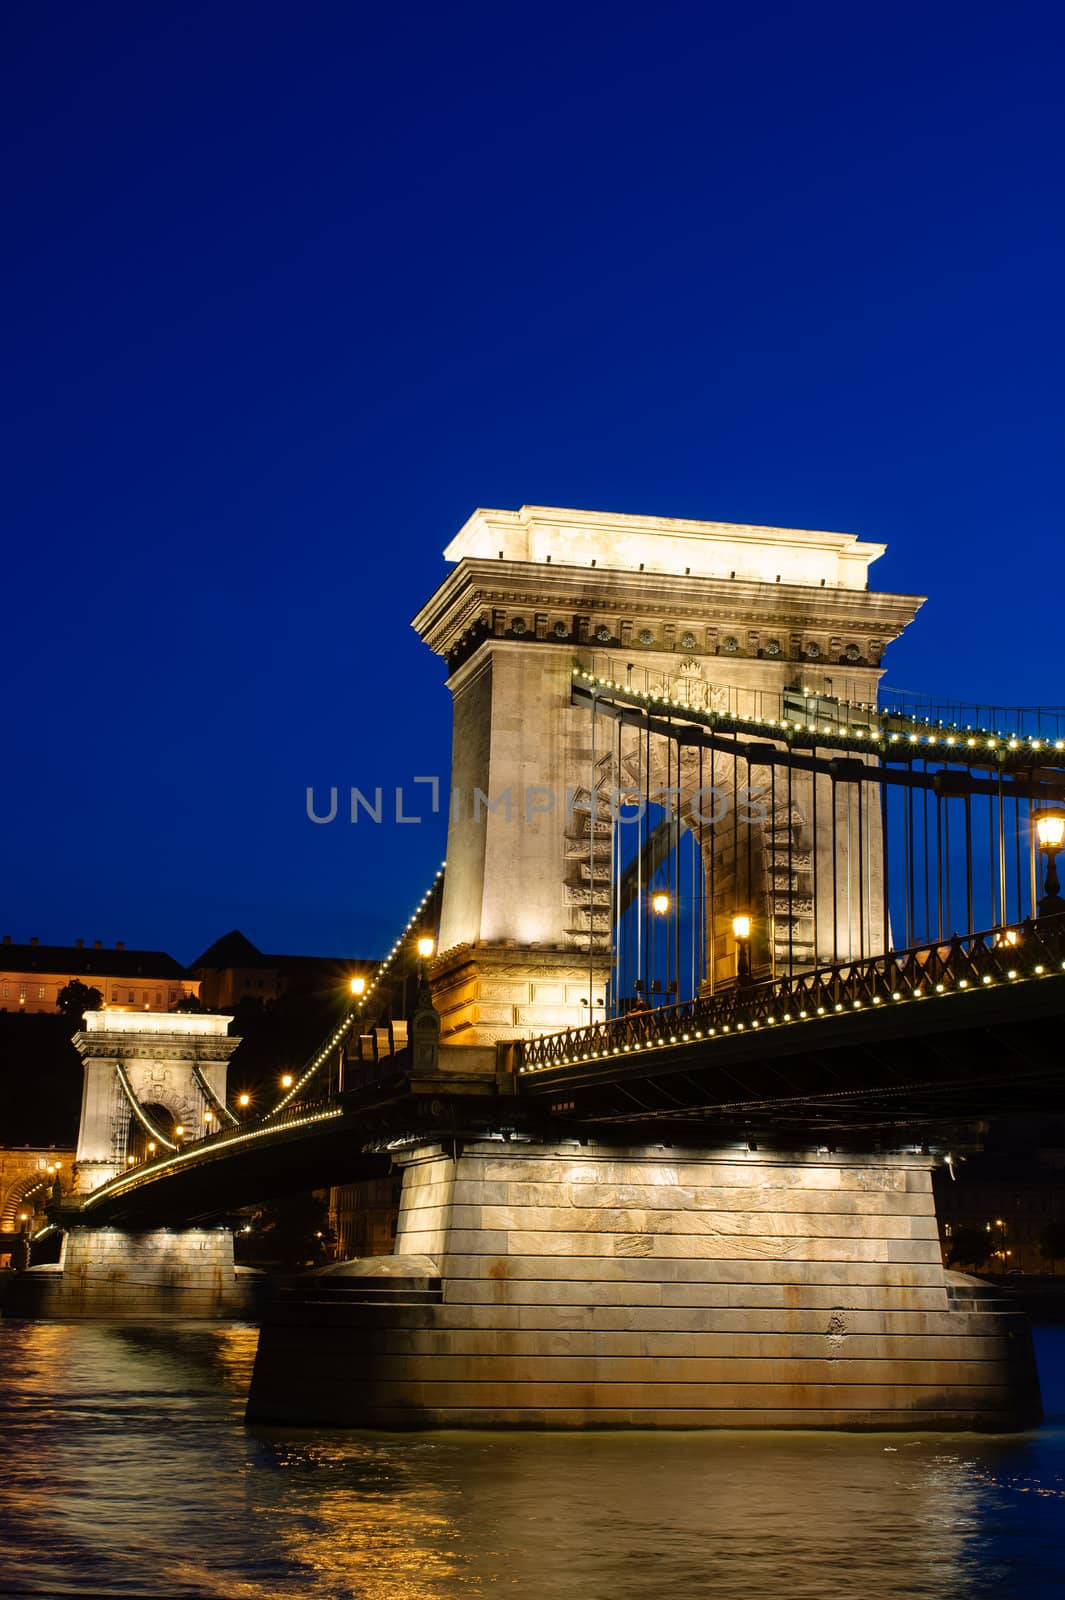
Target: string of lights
214, 1101
344, 1027
203, 1149
873, 737
565, 1049
141, 1115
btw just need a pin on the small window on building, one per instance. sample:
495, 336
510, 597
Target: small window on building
7, 991
158, 999
129, 997
114, 996
40, 992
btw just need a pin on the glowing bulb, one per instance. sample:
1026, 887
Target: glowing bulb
1050, 829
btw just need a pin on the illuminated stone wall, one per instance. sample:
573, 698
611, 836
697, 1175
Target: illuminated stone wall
105, 1272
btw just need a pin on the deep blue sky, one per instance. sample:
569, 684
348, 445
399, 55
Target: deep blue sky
291, 289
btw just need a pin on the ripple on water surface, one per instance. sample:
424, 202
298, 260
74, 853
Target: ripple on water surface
126, 1468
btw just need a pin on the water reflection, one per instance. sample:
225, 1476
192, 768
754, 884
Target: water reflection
125, 1466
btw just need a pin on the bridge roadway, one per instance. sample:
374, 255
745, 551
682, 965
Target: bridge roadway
915, 1046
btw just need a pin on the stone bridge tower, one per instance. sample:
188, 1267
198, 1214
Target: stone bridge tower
719, 614
172, 1064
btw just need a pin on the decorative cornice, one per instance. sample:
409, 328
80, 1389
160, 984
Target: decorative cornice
564, 606
128, 1047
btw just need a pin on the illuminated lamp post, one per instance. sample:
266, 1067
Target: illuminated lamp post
741, 932
660, 904
426, 946
1050, 832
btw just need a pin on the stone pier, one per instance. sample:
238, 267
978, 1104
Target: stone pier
106, 1272
560, 1287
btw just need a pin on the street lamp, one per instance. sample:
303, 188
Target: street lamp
244, 1100
425, 947
741, 932
660, 906
358, 987
1050, 832
286, 1080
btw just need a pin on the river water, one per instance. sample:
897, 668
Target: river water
126, 1469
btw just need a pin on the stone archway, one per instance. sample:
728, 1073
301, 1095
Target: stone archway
27, 1194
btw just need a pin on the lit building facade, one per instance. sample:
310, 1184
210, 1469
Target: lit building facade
33, 975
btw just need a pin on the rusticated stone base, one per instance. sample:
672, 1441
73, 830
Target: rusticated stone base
488, 992
107, 1273
653, 1288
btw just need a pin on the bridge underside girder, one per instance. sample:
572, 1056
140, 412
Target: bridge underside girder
929, 1069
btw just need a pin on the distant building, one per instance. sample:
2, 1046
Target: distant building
32, 976
1015, 1198
233, 969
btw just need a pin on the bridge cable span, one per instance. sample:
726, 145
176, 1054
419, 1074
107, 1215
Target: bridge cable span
347, 1023
842, 722
138, 1111
217, 1105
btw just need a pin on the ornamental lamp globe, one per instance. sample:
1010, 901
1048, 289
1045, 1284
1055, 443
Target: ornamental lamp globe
1050, 834
1050, 829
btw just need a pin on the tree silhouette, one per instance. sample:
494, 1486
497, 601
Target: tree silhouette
969, 1246
76, 997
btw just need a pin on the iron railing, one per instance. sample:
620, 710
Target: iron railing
973, 961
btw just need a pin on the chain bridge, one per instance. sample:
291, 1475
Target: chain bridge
733, 946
